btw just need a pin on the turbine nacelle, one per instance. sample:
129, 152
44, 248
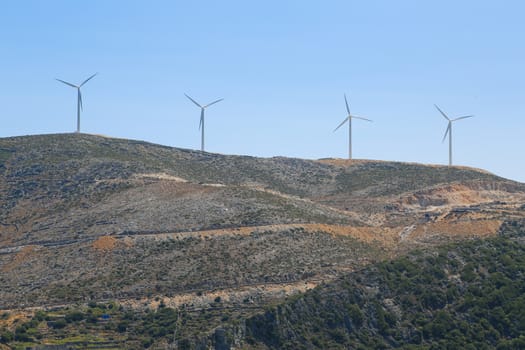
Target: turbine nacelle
450, 121
349, 120
201, 121
79, 96
448, 131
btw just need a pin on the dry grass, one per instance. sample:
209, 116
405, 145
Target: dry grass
105, 243
20, 257
350, 162
15, 317
460, 229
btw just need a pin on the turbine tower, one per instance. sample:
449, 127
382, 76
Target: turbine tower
201, 123
79, 97
349, 119
449, 132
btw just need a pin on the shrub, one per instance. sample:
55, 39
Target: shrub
147, 342
122, 327
74, 316
355, 315
58, 324
6, 336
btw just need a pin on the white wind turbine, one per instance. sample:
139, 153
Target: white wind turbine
201, 123
449, 132
349, 119
79, 97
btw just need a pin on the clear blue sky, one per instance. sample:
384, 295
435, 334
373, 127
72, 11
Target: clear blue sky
282, 67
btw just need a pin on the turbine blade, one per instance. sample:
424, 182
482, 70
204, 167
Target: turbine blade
347, 108
447, 131
88, 79
356, 117
80, 99
192, 100
340, 125
202, 118
214, 102
65, 82
443, 113
465, 117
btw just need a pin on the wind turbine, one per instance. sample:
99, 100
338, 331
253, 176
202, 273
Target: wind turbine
449, 132
349, 119
79, 97
201, 123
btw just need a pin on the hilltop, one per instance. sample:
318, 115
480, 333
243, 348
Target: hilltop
98, 186
85, 218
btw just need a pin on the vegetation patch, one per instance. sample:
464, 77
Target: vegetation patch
462, 296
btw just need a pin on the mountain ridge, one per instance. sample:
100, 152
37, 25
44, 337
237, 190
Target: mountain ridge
86, 218
327, 160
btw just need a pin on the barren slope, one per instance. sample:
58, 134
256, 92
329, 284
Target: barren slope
85, 217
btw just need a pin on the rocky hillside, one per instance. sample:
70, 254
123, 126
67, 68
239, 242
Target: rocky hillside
57, 188
87, 218
460, 296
